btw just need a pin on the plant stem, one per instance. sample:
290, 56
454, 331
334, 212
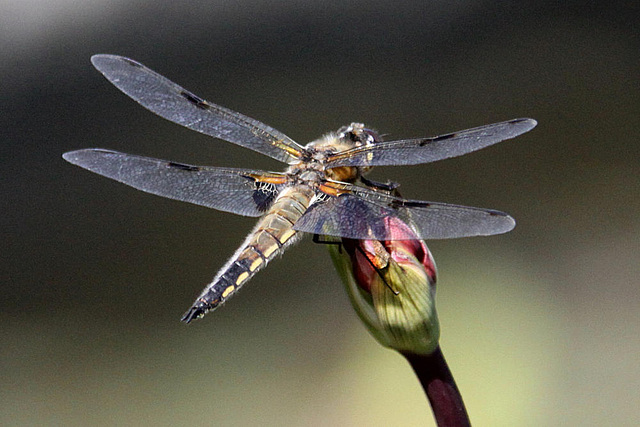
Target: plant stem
441, 390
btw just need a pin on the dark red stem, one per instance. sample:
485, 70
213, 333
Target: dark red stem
442, 392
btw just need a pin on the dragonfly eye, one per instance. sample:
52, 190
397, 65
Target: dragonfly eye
358, 134
372, 136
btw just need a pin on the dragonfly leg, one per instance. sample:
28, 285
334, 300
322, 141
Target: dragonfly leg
389, 186
379, 271
317, 238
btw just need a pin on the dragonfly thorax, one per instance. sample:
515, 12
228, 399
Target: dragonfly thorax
348, 137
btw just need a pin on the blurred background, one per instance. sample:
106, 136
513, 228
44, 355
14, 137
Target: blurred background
540, 326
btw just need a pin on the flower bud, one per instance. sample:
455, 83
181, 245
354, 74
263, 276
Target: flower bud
391, 284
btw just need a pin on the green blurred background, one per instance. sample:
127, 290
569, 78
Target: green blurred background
540, 326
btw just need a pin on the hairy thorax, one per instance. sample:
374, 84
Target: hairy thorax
320, 150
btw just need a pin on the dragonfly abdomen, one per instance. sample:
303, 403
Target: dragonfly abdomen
273, 233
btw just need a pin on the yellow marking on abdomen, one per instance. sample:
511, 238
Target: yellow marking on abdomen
287, 235
242, 277
229, 289
270, 250
255, 264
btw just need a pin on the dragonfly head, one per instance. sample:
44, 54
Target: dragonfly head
346, 138
358, 135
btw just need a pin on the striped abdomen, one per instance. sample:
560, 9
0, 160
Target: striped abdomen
268, 239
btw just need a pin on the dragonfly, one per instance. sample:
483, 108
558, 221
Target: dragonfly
323, 190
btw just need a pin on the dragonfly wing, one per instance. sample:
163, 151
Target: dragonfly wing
360, 213
426, 150
240, 191
167, 99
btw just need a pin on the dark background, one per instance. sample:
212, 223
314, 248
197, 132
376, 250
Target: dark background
540, 325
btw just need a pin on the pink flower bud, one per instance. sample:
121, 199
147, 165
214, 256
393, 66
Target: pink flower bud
391, 285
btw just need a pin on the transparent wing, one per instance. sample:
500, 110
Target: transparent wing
360, 213
426, 150
174, 103
238, 191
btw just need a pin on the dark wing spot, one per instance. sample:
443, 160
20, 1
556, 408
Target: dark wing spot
132, 62
436, 139
495, 213
408, 204
443, 137
183, 166
262, 200
264, 195
195, 100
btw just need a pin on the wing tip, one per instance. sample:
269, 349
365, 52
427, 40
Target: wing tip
507, 222
502, 223
525, 123
105, 61
69, 155
510, 224
77, 157
73, 157
101, 58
